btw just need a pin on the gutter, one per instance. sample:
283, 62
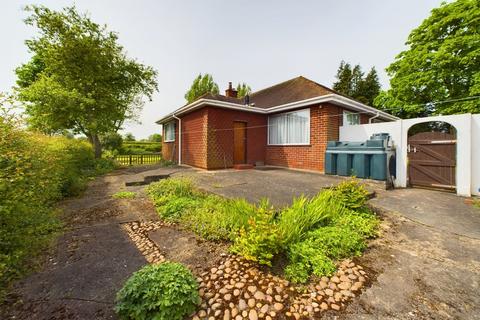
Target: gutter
179, 138
374, 117
332, 98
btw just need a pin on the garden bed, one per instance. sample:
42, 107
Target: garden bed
230, 246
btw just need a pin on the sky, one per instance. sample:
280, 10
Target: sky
258, 42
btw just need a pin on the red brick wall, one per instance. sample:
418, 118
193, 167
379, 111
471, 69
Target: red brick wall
194, 138
220, 136
207, 136
325, 120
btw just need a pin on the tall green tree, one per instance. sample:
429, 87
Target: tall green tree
128, 137
344, 79
369, 88
156, 137
243, 89
441, 63
200, 86
79, 77
353, 83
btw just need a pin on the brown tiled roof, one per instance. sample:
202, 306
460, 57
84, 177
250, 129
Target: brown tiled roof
296, 89
219, 97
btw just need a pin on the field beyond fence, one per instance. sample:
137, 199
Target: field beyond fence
138, 159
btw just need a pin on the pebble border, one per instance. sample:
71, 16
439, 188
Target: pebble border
237, 289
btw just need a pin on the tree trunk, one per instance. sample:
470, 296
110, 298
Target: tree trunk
97, 146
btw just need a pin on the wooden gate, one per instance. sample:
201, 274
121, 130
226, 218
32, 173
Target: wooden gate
431, 160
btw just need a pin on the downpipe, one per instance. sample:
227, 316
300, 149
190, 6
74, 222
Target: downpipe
179, 138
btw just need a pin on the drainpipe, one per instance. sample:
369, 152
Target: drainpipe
374, 117
179, 138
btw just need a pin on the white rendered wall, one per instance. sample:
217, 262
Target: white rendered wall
467, 170
476, 154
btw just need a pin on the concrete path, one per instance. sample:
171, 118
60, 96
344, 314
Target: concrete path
440, 210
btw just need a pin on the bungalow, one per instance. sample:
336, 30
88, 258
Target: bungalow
287, 125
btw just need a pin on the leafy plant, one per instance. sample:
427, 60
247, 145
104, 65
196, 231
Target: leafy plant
304, 215
316, 254
216, 218
259, 242
124, 195
166, 291
363, 222
352, 194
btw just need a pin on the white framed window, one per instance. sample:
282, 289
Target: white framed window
290, 128
169, 132
350, 118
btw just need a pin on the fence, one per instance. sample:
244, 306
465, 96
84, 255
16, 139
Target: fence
138, 159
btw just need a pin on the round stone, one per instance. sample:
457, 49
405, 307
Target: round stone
278, 306
252, 315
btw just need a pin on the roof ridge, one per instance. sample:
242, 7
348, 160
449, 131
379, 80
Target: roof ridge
275, 85
291, 80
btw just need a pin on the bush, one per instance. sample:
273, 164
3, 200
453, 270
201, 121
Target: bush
35, 171
140, 147
259, 242
316, 254
304, 215
351, 194
216, 218
166, 291
364, 222
210, 216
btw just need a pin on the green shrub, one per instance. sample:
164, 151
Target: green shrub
352, 194
166, 291
216, 218
124, 195
337, 242
321, 247
140, 147
259, 242
304, 215
35, 171
364, 222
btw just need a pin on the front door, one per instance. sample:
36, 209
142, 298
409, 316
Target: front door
431, 160
239, 142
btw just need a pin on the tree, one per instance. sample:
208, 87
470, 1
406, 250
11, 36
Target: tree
156, 137
344, 79
200, 86
353, 83
441, 63
79, 77
369, 88
243, 89
112, 141
128, 137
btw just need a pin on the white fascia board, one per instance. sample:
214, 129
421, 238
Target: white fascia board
332, 98
215, 103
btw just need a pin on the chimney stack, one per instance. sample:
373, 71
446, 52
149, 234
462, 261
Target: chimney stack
230, 92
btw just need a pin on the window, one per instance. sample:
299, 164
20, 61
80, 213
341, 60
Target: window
289, 128
350, 118
169, 132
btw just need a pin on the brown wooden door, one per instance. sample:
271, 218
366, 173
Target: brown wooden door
431, 160
239, 142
